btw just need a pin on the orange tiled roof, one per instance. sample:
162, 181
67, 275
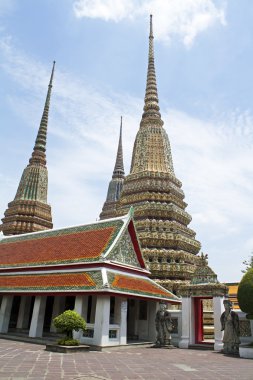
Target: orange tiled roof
80, 244
83, 282
47, 282
139, 286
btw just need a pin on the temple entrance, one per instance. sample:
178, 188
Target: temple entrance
14, 312
48, 314
141, 320
131, 320
204, 320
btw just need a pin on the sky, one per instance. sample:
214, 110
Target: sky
204, 60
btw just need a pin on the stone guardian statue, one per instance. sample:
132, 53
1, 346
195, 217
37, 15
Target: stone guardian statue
230, 324
164, 326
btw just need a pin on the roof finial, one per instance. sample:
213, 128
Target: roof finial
151, 28
38, 155
151, 106
52, 75
119, 166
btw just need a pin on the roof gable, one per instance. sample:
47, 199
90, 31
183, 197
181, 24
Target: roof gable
124, 252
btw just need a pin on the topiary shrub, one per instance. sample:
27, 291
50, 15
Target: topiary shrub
245, 294
67, 322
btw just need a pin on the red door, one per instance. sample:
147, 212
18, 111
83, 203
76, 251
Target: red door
198, 314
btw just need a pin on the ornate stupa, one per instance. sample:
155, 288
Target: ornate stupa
116, 183
168, 244
29, 211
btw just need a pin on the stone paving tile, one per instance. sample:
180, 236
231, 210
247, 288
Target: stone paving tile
20, 361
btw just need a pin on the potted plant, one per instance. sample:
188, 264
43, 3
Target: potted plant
66, 323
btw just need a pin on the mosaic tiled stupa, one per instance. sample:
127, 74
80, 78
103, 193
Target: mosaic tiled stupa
116, 183
169, 245
29, 211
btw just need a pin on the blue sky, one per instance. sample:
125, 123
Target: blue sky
204, 60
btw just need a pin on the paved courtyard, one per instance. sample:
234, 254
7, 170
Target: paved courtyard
20, 360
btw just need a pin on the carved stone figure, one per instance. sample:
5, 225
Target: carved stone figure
230, 324
164, 326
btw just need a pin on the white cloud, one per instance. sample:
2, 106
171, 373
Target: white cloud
216, 167
107, 10
184, 19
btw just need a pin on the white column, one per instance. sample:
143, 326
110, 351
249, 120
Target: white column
192, 321
5, 313
121, 318
218, 309
81, 305
23, 313
58, 308
102, 316
36, 328
153, 306
186, 322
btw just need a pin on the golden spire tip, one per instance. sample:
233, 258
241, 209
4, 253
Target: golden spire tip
151, 27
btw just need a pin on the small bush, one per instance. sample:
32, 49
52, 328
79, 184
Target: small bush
68, 342
245, 293
68, 321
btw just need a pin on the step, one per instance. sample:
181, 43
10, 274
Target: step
201, 346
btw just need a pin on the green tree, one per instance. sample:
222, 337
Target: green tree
248, 263
245, 293
67, 322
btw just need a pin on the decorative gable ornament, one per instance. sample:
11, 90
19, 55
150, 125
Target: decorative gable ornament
204, 274
124, 251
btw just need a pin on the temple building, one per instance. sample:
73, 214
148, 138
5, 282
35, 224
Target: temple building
168, 244
116, 183
97, 269
29, 211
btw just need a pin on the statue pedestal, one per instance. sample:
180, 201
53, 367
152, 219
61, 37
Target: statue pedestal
246, 351
167, 346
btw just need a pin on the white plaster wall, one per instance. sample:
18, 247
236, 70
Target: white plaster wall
184, 340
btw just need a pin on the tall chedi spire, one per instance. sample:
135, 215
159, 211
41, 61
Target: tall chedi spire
29, 211
169, 246
116, 183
